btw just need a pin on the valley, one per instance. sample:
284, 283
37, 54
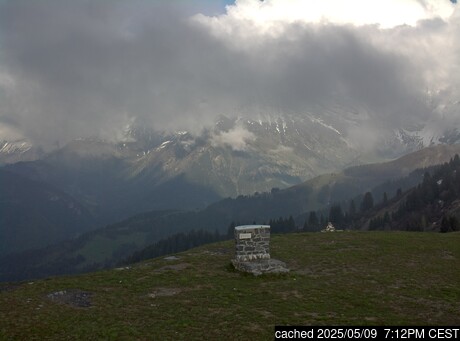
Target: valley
114, 243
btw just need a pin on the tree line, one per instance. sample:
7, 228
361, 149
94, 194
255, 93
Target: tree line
418, 208
423, 207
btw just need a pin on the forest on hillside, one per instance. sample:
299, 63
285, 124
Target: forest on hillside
432, 205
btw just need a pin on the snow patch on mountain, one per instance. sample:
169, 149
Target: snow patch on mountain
164, 144
10, 147
18, 150
320, 121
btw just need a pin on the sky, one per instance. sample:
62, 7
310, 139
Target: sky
78, 68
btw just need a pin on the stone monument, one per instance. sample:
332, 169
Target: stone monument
253, 251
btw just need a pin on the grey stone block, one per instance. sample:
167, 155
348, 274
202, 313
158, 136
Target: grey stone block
253, 251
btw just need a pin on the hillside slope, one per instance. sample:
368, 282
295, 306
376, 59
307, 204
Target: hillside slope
34, 214
156, 171
329, 188
349, 278
99, 175
107, 246
432, 205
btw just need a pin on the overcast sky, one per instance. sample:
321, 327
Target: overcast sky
76, 68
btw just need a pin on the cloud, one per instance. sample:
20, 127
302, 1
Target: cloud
237, 138
73, 68
268, 14
309, 52
87, 68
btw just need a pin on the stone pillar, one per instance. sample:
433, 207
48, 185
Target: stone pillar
252, 242
253, 251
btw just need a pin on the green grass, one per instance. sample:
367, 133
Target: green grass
101, 248
348, 278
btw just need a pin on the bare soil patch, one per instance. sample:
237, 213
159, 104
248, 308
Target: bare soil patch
73, 297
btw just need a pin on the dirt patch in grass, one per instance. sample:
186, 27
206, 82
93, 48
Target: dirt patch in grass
287, 295
173, 267
219, 251
447, 255
8, 287
161, 292
74, 298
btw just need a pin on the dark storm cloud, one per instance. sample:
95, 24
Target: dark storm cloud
83, 67
330, 62
76, 68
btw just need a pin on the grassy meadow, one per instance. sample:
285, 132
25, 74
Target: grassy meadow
342, 278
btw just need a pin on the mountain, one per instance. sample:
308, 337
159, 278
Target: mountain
348, 278
18, 150
34, 214
336, 187
154, 170
107, 246
99, 175
242, 155
235, 157
271, 165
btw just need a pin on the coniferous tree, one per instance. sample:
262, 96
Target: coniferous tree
444, 224
305, 225
423, 222
454, 223
368, 202
291, 224
386, 219
456, 161
352, 209
321, 220
231, 230
313, 219
336, 215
